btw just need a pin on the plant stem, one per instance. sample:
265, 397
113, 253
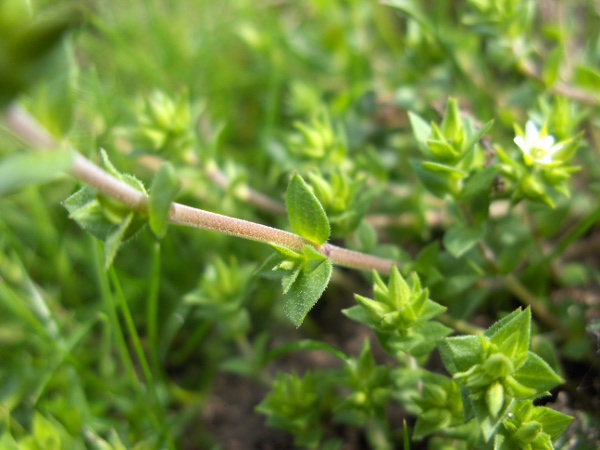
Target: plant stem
539, 309
24, 126
459, 325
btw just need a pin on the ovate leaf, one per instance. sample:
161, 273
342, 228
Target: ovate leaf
307, 216
460, 353
537, 374
308, 285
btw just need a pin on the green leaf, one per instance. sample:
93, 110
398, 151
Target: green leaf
47, 434
290, 277
452, 125
439, 179
442, 150
479, 183
489, 425
165, 187
307, 216
308, 286
411, 9
554, 423
588, 77
23, 169
552, 65
359, 314
306, 345
449, 172
537, 374
52, 101
114, 240
459, 240
518, 323
422, 132
422, 341
473, 139
85, 209
125, 178
460, 353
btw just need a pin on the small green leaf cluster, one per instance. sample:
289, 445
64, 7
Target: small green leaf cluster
344, 197
531, 428
166, 125
497, 370
436, 402
295, 404
304, 275
400, 314
318, 140
543, 169
357, 395
114, 223
370, 390
103, 217
451, 152
221, 295
509, 17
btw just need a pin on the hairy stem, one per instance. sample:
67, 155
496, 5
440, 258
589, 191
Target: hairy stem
24, 126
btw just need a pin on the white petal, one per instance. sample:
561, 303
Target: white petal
546, 142
531, 132
522, 144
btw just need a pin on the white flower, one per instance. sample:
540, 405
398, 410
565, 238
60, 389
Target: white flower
537, 147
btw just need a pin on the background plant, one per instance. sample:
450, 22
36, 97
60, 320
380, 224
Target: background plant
445, 137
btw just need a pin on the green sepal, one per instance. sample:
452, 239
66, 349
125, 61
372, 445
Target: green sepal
307, 216
163, 191
23, 169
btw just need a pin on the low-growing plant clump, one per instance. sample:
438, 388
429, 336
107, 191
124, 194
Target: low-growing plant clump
322, 224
